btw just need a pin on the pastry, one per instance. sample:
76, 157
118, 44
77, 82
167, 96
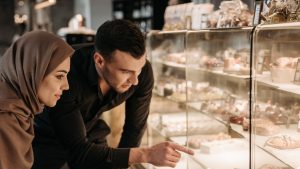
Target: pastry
282, 75
265, 127
176, 58
283, 69
196, 141
269, 166
220, 146
236, 119
202, 125
278, 114
283, 142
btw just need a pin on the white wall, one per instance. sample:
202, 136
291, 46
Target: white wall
95, 11
83, 7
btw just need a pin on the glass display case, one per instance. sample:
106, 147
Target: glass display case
218, 85
167, 119
276, 93
232, 95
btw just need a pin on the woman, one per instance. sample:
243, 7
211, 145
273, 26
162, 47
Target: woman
33, 74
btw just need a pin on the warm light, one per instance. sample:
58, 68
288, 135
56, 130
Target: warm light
44, 4
20, 18
21, 3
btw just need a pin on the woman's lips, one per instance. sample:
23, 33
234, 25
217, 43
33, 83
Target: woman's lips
57, 96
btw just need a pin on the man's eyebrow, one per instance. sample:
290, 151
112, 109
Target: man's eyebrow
123, 69
126, 70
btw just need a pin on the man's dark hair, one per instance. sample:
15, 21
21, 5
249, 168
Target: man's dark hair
120, 35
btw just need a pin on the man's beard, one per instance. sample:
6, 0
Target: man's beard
105, 75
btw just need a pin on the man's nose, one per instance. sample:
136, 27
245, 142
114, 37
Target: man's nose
134, 79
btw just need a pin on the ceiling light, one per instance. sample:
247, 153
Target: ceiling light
44, 4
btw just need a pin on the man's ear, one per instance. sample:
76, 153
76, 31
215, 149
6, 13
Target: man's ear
99, 60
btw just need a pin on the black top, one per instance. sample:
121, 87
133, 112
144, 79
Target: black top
75, 123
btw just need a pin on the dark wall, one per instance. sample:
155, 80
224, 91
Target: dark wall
7, 27
159, 7
61, 13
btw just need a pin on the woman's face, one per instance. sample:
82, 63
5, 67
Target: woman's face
53, 85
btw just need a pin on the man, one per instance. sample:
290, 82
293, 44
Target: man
101, 77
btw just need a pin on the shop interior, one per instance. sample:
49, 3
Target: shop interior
227, 73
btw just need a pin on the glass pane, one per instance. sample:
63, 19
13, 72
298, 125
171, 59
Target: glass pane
167, 120
276, 93
218, 87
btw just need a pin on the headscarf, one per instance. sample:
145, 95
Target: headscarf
23, 67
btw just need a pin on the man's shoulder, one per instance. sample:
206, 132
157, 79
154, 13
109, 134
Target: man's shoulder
83, 70
147, 70
82, 57
83, 49
83, 46
146, 77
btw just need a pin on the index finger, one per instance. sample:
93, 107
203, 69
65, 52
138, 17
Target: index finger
182, 149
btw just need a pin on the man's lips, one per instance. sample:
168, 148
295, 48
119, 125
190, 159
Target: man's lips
126, 85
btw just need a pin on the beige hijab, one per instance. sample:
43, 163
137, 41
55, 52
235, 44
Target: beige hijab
22, 68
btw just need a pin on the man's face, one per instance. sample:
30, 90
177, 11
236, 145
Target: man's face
122, 70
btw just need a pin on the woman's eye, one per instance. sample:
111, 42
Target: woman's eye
60, 77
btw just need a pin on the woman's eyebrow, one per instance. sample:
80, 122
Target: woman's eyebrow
63, 71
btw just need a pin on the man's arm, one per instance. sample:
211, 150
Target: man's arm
137, 109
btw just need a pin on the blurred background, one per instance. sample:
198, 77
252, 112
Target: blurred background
64, 17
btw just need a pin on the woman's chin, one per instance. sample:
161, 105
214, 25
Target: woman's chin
51, 104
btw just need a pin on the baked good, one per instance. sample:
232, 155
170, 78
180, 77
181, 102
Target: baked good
236, 119
265, 127
283, 69
213, 63
196, 141
278, 114
282, 75
176, 58
265, 130
269, 166
245, 124
178, 96
205, 93
172, 125
219, 146
285, 62
283, 142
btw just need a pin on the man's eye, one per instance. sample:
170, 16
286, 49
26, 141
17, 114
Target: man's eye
60, 77
126, 72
